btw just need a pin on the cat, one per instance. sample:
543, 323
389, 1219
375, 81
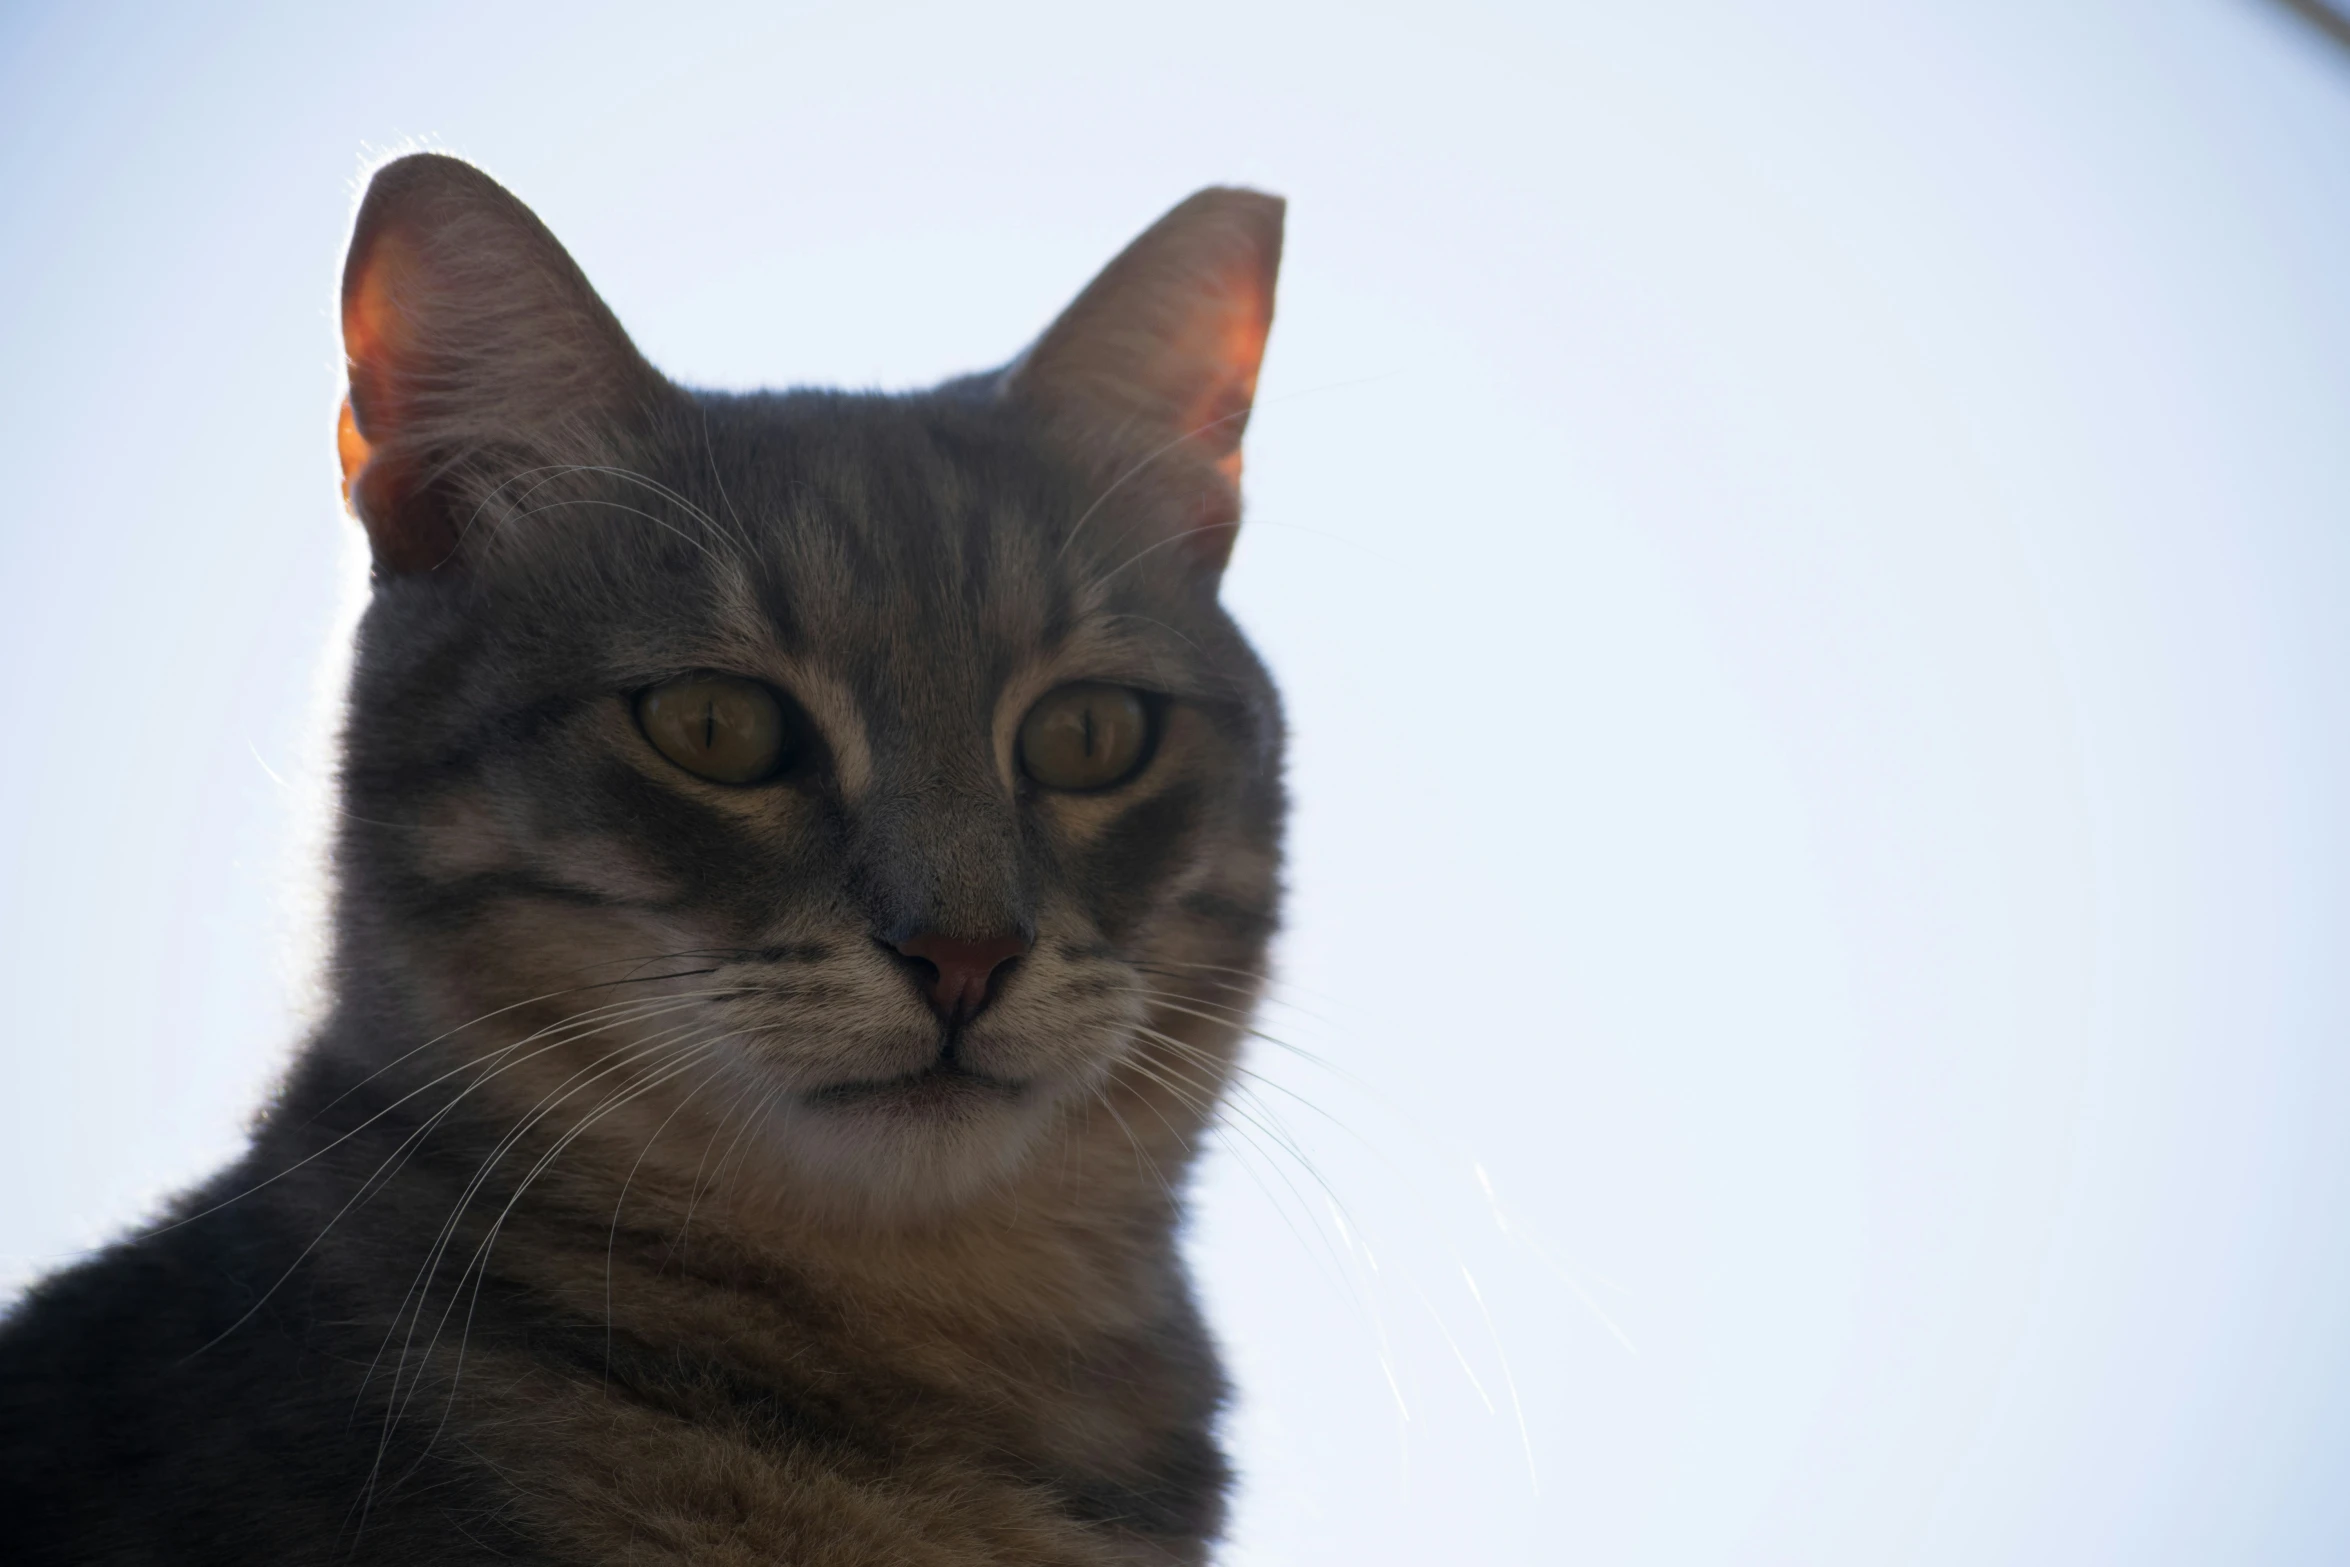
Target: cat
805, 865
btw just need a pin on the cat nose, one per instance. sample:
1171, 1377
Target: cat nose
962, 971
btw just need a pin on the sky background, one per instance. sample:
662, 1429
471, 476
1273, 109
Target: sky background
1806, 548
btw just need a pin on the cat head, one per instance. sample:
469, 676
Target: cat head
869, 789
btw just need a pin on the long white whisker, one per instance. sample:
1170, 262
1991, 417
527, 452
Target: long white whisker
407, 1145
479, 1264
434, 1082
395, 1402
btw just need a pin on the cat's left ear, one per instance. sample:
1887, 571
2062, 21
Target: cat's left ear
477, 352
1153, 370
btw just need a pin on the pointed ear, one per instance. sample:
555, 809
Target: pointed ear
476, 351
1156, 362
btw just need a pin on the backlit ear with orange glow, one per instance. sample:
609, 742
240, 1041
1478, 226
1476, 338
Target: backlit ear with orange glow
1157, 360
350, 447
475, 348
408, 525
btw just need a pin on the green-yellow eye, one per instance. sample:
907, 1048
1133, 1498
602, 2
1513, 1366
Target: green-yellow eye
720, 727
1084, 737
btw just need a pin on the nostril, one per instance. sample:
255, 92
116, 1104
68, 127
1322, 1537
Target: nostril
962, 971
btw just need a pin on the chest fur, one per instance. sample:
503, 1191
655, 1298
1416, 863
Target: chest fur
733, 1419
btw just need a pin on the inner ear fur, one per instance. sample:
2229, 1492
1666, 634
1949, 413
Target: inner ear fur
1153, 370
476, 350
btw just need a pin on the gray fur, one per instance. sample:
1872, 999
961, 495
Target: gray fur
563, 1240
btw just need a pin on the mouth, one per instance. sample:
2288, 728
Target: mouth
944, 1084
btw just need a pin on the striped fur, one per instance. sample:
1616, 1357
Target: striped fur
572, 1235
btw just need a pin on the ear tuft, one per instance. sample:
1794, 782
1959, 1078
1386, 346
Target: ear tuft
1157, 360
474, 345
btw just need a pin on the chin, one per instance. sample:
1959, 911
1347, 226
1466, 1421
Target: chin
916, 1146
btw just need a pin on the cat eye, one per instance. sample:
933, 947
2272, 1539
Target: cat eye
720, 727
1085, 737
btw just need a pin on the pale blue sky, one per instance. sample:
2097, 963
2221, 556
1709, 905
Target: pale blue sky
1806, 547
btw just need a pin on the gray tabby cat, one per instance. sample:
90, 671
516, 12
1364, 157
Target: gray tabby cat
805, 864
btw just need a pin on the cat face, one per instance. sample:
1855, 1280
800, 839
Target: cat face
873, 781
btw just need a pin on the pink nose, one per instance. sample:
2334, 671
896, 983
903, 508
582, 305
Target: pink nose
964, 971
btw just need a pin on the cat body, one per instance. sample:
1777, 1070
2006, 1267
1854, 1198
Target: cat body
805, 863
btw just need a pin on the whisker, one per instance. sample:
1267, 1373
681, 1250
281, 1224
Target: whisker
1350, 1224
407, 1146
1119, 482
1411, 1125
1239, 1140
521, 1128
404, 1098
710, 455
420, 1290
364, 1502
520, 509
1142, 1158
479, 1265
744, 1101
612, 1235
1253, 1032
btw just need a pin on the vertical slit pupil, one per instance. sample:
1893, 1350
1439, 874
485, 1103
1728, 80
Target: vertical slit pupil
1087, 718
710, 724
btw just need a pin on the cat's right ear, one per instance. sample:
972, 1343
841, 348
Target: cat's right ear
476, 351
